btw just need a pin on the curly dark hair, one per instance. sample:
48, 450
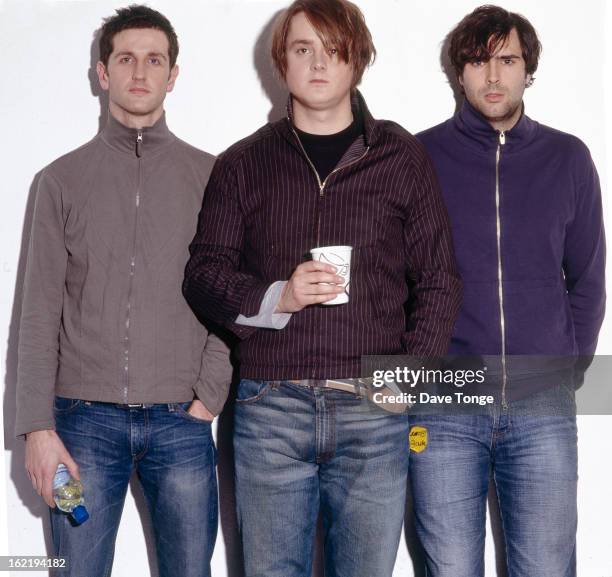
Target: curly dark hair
479, 34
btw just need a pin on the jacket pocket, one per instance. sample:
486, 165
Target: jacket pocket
365, 282
540, 319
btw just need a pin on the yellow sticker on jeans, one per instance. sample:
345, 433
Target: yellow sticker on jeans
418, 439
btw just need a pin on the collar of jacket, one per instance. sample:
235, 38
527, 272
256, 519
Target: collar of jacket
358, 105
474, 130
123, 138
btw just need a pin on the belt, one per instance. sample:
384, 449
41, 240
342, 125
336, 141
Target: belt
359, 386
356, 386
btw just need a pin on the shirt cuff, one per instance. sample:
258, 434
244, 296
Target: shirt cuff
267, 318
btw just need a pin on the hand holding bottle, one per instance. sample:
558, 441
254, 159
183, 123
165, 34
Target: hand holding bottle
44, 452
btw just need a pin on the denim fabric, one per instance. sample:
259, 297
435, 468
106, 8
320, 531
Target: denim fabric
174, 456
300, 450
530, 449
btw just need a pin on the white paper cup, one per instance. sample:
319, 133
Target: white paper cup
340, 257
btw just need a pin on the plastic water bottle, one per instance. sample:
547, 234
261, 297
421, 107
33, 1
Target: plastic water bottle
68, 495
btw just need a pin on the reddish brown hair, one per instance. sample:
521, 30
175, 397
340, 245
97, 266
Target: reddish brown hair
479, 34
339, 24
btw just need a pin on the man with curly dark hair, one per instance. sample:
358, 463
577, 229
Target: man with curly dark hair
525, 208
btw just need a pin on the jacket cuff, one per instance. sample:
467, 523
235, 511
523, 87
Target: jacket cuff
213, 398
251, 303
22, 428
266, 318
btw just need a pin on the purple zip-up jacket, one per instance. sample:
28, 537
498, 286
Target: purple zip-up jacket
264, 209
551, 258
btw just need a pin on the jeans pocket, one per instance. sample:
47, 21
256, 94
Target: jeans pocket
250, 391
181, 410
64, 405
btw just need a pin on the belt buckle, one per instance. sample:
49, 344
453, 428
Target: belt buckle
354, 387
135, 405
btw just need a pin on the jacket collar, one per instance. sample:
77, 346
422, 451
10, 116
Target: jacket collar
359, 107
474, 130
124, 139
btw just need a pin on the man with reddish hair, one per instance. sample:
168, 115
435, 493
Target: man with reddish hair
306, 437
525, 208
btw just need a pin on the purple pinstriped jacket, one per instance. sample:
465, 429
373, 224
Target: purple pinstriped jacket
264, 209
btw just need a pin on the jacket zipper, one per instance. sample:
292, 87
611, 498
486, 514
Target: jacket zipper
500, 289
126, 339
322, 188
322, 184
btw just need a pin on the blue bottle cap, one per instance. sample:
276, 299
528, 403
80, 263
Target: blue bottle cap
80, 514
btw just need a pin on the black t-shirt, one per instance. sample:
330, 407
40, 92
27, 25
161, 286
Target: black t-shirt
326, 150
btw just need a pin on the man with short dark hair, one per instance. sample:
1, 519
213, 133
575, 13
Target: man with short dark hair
116, 374
525, 208
306, 437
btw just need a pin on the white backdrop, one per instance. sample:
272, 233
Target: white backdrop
225, 90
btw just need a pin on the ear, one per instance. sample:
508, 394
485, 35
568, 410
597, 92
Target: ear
460, 79
172, 78
528, 80
102, 75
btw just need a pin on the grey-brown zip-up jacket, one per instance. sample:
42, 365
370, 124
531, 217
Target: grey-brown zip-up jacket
103, 317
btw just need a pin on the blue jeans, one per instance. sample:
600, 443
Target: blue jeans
530, 449
300, 450
174, 456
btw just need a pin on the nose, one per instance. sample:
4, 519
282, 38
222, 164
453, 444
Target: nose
492, 72
138, 72
319, 60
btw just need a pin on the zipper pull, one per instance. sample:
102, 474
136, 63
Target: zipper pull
502, 137
138, 143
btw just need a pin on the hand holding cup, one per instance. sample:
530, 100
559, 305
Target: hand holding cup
313, 282
340, 257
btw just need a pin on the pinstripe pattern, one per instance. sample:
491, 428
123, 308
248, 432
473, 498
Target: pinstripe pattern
263, 211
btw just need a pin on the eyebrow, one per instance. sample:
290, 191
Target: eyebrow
128, 53
507, 56
300, 41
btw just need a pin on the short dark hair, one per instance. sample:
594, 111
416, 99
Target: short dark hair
479, 34
339, 24
136, 16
